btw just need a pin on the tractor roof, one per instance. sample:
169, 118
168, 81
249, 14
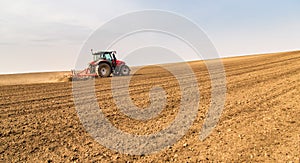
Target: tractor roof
102, 52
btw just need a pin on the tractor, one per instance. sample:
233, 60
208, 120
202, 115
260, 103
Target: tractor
104, 64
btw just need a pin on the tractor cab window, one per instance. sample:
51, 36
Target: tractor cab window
96, 57
107, 56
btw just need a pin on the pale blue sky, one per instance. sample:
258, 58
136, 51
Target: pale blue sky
46, 35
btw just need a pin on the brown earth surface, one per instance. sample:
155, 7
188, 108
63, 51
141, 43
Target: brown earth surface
34, 78
260, 120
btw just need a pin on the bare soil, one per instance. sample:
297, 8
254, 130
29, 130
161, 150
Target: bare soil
34, 78
260, 121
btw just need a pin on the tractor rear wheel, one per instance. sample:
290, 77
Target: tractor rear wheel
104, 70
125, 70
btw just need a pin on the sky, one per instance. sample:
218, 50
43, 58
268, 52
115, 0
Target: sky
47, 35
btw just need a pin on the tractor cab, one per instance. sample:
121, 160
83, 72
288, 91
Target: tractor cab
106, 55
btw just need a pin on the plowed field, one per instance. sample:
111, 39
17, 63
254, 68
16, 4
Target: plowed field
260, 120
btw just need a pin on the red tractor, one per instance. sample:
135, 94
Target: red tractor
104, 64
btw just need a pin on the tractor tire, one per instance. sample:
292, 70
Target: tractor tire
125, 70
104, 70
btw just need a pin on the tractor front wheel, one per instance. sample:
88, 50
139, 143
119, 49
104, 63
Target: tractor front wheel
104, 70
125, 70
